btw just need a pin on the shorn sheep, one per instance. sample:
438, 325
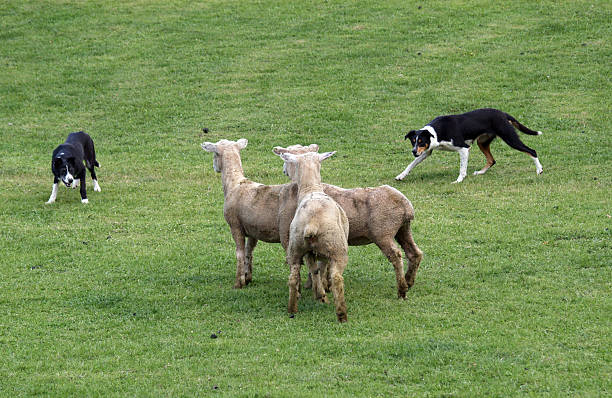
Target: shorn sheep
249, 208
319, 230
261, 212
379, 215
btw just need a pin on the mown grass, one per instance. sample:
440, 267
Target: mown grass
120, 297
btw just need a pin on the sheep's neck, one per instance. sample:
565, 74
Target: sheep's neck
231, 174
309, 183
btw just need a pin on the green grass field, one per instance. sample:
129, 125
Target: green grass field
120, 297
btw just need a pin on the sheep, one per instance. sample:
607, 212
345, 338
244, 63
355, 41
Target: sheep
259, 212
250, 209
319, 230
379, 215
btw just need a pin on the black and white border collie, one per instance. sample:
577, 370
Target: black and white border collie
458, 132
67, 164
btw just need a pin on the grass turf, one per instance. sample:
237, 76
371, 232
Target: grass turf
121, 296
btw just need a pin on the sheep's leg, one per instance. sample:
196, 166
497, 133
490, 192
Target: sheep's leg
250, 246
310, 260
413, 253
325, 275
394, 255
317, 288
325, 278
240, 266
294, 259
336, 268
308, 284
294, 284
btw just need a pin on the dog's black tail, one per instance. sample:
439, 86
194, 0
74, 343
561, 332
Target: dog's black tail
521, 127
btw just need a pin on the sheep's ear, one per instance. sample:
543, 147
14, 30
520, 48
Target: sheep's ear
323, 156
209, 147
279, 149
313, 148
242, 143
288, 157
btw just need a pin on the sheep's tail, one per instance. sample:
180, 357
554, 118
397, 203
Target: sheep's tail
310, 231
521, 127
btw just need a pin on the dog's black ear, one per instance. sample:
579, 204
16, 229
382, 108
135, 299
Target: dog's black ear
410, 134
56, 163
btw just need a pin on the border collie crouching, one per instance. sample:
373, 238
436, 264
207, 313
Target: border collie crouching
67, 164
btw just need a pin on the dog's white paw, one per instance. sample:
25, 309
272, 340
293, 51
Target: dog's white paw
84, 201
49, 202
96, 186
479, 172
538, 165
399, 177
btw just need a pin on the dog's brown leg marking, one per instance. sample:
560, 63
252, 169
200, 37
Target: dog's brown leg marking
485, 147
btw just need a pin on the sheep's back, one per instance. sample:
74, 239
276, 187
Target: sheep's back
372, 211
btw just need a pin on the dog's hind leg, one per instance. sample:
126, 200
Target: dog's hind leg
484, 143
512, 139
92, 171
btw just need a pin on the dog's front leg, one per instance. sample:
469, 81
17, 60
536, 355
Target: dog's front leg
412, 165
53, 191
464, 153
83, 189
